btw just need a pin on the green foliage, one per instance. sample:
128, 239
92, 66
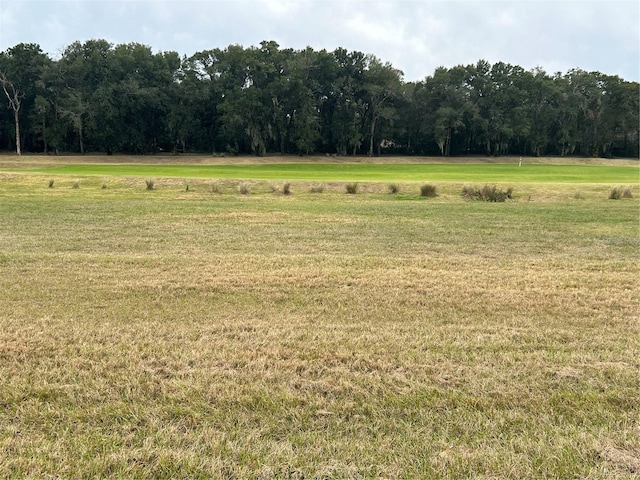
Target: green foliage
263, 99
428, 190
352, 188
487, 193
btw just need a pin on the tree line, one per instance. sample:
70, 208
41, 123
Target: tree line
260, 100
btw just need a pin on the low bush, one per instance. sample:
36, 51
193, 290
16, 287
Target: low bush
487, 193
352, 188
428, 190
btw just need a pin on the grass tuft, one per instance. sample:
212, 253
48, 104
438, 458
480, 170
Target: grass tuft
428, 190
487, 193
150, 183
286, 188
394, 188
51, 183
216, 187
76, 184
244, 188
617, 193
352, 188
318, 188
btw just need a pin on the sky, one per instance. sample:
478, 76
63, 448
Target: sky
415, 36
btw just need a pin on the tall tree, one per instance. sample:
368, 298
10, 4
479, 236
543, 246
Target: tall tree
382, 84
21, 68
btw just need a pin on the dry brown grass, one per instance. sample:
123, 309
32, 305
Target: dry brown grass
174, 334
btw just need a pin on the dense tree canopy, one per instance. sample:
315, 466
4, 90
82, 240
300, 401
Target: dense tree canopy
124, 98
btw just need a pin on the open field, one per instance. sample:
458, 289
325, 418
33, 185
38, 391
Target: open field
180, 333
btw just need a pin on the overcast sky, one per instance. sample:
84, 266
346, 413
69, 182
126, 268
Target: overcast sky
416, 36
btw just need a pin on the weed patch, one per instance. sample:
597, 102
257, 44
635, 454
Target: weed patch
428, 190
318, 188
352, 188
487, 193
617, 193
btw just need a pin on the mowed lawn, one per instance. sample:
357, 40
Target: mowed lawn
376, 172
182, 333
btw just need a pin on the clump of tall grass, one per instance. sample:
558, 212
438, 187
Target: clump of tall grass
76, 184
244, 188
487, 193
352, 188
617, 193
428, 190
51, 183
286, 188
319, 188
394, 188
216, 187
104, 186
150, 183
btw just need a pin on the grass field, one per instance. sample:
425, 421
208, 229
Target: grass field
180, 333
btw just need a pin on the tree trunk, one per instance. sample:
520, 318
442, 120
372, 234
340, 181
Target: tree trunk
17, 119
44, 136
373, 131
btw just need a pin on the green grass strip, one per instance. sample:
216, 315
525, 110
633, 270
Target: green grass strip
366, 172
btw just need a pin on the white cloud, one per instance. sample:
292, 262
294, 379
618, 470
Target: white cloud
416, 36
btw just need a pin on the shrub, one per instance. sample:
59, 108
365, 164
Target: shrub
428, 190
76, 184
319, 188
352, 188
487, 193
394, 188
150, 183
244, 188
51, 182
286, 188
